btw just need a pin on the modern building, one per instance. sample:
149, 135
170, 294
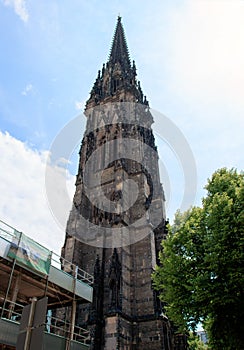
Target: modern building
118, 220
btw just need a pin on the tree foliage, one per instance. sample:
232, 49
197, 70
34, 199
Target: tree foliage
195, 343
201, 273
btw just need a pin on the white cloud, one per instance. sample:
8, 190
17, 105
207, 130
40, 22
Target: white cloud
28, 89
79, 105
23, 202
19, 7
199, 54
206, 53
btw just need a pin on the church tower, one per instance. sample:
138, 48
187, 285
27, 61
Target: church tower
117, 220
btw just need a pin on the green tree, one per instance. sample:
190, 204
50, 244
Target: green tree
201, 273
195, 343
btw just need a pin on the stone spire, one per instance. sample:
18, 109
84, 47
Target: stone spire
117, 82
119, 51
119, 246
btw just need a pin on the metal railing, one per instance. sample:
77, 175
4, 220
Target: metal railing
10, 234
11, 311
6, 231
53, 325
67, 266
62, 328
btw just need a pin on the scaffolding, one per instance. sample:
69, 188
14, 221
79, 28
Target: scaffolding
30, 271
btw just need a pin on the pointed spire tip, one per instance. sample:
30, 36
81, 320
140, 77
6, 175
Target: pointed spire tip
119, 50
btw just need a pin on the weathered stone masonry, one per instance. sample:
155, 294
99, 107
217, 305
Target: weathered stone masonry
126, 312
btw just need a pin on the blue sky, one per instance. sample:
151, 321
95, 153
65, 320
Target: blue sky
190, 61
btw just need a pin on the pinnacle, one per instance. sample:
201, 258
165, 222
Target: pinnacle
119, 49
117, 79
